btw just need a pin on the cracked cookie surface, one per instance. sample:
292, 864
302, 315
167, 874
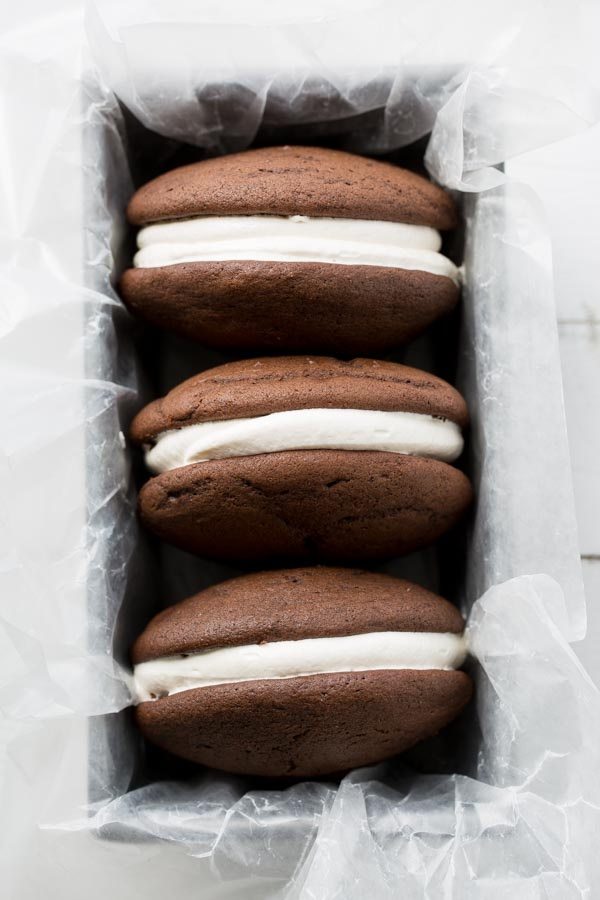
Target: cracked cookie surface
330, 505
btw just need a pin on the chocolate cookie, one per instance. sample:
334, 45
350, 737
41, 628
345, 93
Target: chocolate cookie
304, 458
300, 673
292, 248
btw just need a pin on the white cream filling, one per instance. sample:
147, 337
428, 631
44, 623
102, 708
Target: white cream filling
308, 429
357, 242
292, 659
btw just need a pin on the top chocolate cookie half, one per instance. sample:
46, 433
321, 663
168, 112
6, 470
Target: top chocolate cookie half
267, 406
294, 604
259, 387
287, 181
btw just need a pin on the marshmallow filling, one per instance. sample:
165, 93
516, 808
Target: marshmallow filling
307, 429
356, 242
292, 659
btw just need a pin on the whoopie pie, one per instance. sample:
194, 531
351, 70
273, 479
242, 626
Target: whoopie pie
304, 458
301, 672
294, 249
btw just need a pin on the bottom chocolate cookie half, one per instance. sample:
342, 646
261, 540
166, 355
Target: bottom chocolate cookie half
308, 726
344, 309
327, 504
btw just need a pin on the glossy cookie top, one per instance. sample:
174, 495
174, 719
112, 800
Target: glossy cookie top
258, 387
287, 181
293, 604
